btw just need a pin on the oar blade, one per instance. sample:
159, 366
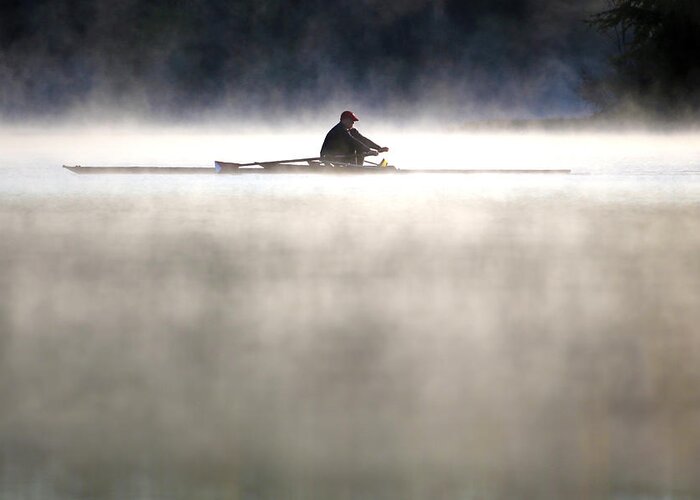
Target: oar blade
225, 166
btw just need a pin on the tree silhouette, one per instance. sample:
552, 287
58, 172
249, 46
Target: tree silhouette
656, 65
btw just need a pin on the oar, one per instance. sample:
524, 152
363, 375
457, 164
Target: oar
262, 163
225, 165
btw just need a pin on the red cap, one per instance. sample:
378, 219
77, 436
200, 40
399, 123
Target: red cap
349, 114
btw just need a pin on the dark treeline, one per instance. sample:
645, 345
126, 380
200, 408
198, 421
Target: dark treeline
656, 69
177, 56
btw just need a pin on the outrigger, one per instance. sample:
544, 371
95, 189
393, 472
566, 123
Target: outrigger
316, 165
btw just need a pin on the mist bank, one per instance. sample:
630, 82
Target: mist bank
317, 337
603, 123
176, 60
625, 60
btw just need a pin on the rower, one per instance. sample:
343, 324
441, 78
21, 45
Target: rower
345, 144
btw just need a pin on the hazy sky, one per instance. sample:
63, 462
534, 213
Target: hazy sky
480, 58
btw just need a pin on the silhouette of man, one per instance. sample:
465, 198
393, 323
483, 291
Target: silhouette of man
345, 144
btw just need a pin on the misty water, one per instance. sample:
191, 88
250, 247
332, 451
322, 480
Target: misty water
350, 337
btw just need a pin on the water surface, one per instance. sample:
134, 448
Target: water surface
300, 336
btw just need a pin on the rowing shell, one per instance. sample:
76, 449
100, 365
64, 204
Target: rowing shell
281, 168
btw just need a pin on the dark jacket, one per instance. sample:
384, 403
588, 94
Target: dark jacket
341, 142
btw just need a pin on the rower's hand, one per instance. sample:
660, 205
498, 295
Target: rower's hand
383, 150
372, 152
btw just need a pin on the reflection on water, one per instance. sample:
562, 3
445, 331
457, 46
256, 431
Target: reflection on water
305, 337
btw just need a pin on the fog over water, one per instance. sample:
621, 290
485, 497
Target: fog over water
180, 59
389, 337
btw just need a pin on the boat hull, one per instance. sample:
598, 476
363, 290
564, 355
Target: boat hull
291, 169
276, 169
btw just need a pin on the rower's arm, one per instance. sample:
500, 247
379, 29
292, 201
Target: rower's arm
364, 140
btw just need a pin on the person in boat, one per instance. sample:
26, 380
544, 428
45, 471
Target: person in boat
345, 144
